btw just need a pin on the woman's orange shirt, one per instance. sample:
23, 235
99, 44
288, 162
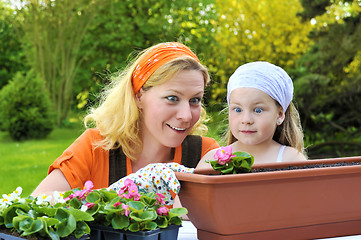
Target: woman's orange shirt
83, 161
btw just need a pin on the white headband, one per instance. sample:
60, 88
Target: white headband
266, 77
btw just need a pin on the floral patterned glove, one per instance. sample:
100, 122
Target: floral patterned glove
156, 177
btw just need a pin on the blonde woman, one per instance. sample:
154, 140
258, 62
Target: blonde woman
147, 115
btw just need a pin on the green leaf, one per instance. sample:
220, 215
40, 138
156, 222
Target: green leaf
93, 197
80, 215
162, 221
31, 227
149, 201
67, 223
147, 215
136, 205
75, 203
10, 212
177, 211
48, 211
134, 227
175, 221
81, 229
150, 226
120, 222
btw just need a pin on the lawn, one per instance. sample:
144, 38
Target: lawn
26, 163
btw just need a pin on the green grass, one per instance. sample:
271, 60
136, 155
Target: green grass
26, 163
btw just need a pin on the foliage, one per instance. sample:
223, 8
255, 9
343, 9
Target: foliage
37, 217
127, 209
25, 108
54, 31
122, 28
328, 80
11, 55
228, 162
70, 214
255, 30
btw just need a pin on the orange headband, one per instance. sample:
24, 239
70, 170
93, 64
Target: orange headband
155, 58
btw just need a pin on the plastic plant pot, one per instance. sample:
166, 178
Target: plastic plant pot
108, 233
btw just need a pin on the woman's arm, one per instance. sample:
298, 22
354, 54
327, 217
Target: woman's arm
55, 181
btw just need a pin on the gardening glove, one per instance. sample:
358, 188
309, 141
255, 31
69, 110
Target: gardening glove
156, 177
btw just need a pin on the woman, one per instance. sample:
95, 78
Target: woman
147, 115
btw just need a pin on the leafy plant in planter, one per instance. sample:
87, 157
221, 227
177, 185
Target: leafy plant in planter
228, 162
38, 217
69, 214
127, 209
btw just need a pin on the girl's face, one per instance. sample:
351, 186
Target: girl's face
170, 110
253, 116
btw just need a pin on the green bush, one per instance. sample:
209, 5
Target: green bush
25, 108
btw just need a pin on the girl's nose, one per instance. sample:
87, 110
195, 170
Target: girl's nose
246, 117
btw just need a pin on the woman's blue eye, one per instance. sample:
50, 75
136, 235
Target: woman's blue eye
237, 109
195, 101
258, 110
172, 98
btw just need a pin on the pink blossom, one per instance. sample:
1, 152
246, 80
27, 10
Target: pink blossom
224, 155
74, 195
162, 211
160, 198
117, 204
126, 208
86, 190
131, 188
132, 193
89, 205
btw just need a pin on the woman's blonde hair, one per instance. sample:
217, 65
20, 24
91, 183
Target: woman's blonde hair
289, 133
118, 117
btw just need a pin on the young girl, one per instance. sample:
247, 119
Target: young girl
147, 115
262, 119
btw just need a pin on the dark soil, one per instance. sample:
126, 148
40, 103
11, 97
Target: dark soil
338, 164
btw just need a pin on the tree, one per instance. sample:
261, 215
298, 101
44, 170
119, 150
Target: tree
329, 77
11, 55
55, 30
255, 30
123, 27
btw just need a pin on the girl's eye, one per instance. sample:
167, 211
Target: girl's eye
237, 109
172, 98
195, 101
258, 110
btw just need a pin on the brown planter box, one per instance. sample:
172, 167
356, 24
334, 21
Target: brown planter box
289, 204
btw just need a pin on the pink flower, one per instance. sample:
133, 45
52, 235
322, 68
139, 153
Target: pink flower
126, 208
74, 195
224, 155
131, 188
162, 211
89, 205
160, 198
117, 204
87, 189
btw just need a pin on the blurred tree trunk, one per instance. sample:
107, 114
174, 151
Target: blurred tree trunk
55, 31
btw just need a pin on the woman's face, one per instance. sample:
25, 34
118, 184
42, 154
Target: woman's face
171, 109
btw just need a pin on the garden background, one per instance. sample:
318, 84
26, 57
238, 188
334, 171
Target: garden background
55, 56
